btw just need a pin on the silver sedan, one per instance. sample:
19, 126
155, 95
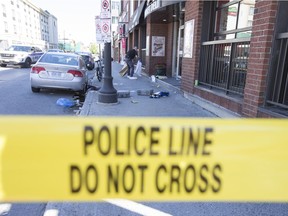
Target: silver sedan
59, 71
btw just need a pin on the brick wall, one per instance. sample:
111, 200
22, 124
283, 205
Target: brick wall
190, 66
260, 51
258, 65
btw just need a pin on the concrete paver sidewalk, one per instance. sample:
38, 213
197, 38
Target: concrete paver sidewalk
175, 105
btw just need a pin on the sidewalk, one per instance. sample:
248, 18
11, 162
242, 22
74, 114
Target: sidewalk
176, 104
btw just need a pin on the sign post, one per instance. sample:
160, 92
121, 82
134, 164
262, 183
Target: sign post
107, 93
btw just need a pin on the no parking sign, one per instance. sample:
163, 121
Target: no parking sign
99, 38
105, 9
105, 29
105, 20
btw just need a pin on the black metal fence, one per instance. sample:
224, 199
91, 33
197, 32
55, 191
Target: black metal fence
223, 65
278, 91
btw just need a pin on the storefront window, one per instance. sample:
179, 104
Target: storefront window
233, 19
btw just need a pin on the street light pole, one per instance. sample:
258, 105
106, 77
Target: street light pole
107, 93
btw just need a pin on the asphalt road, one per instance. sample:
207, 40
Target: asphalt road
18, 99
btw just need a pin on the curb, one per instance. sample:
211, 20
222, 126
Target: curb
219, 111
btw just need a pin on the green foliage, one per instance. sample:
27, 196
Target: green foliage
93, 48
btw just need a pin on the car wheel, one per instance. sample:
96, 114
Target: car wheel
28, 63
35, 90
3, 65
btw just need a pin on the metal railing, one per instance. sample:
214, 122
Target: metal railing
223, 65
278, 91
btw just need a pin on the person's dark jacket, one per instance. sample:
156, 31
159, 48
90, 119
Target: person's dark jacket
131, 54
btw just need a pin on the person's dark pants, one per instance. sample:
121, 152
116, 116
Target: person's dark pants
130, 65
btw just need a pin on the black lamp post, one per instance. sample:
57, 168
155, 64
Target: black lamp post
107, 93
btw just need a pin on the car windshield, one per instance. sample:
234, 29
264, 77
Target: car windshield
19, 48
59, 59
85, 57
55, 50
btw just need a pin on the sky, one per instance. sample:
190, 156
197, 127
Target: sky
75, 18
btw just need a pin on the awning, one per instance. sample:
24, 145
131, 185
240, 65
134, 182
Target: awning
136, 17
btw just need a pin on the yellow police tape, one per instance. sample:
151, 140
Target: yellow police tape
148, 159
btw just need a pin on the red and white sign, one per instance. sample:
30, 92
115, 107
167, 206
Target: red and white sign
106, 29
105, 20
105, 9
99, 38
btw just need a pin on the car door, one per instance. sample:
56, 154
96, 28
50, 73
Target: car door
36, 54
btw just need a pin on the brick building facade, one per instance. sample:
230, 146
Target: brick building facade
231, 53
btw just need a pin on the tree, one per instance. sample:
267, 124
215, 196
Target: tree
93, 48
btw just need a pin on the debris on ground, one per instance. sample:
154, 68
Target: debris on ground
153, 78
145, 92
161, 77
123, 93
124, 70
65, 102
134, 101
159, 94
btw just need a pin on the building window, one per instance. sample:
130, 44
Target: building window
114, 20
226, 46
233, 19
4, 10
115, 6
251, 11
277, 93
6, 27
13, 15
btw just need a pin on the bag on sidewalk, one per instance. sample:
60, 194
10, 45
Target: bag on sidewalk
124, 70
138, 69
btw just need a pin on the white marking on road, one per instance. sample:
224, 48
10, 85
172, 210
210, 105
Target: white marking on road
136, 207
5, 208
51, 212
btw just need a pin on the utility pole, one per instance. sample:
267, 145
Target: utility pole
107, 93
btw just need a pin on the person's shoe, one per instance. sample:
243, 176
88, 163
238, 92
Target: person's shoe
130, 77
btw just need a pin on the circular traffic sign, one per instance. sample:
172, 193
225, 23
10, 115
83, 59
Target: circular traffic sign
105, 28
105, 4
